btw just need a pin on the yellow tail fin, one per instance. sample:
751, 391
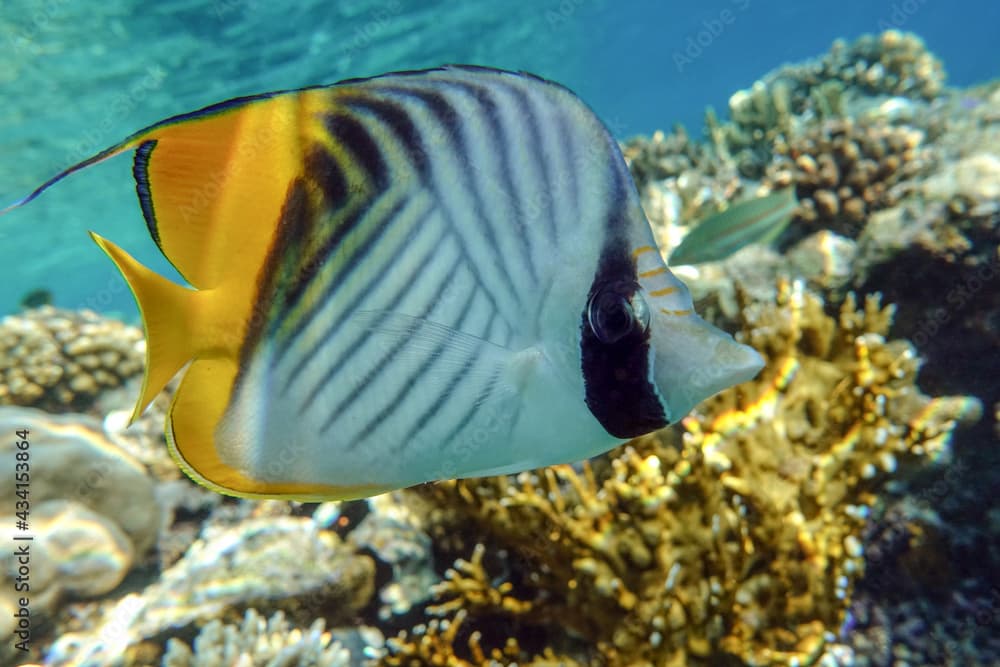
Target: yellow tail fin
167, 313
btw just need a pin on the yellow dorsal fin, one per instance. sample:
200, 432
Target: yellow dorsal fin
209, 184
169, 314
207, 179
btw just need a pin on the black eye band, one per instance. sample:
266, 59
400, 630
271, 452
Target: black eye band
615, 350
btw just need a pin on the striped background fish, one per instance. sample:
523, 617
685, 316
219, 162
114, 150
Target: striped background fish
406, 278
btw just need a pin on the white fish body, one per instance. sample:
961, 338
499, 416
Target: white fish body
456, 279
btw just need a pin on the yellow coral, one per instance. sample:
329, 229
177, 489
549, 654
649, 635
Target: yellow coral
738, 534
434, 644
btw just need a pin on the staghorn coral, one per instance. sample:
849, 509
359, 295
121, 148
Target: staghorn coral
258, 642
434, 644
735, 538
59, 360
843, 170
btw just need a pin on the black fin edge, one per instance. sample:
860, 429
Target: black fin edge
140, 171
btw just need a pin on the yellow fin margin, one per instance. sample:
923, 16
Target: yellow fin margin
198, 408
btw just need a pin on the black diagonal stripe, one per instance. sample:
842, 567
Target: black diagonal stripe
336, 282
480, 400
450, 122
293, 226
445, 396
408, 384
328, 176
544, 163
501, 142
384, 362
477, 405
322, 170
354, 136
399, 120
308, 269
569, 174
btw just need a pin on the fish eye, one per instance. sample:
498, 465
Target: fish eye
615, 311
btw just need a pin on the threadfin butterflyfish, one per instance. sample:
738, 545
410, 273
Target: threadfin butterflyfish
407, 278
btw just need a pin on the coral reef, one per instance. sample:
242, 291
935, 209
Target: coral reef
843, 170
436, 643
891, 63
680, 180
94, 512
915, 605
59, 360
788, 99
394, 533
72, 459
848, 151
739, 537
74, 553
281, 563
258, 642
821, 514
144, 438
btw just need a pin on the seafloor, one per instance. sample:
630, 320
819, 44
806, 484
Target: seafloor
839, 510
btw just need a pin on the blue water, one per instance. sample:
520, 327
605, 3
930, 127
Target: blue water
77, 76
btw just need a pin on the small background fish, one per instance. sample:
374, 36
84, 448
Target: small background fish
757, 220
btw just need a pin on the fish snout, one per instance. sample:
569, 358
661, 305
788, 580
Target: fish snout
696, 360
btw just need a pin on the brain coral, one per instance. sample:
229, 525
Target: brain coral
59, 360
736, 537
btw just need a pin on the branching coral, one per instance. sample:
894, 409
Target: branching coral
285, 563
793, 97
60, 360
435, 644
736, 537
844, 170
679, 180
258, 642
891, 63
671, 155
